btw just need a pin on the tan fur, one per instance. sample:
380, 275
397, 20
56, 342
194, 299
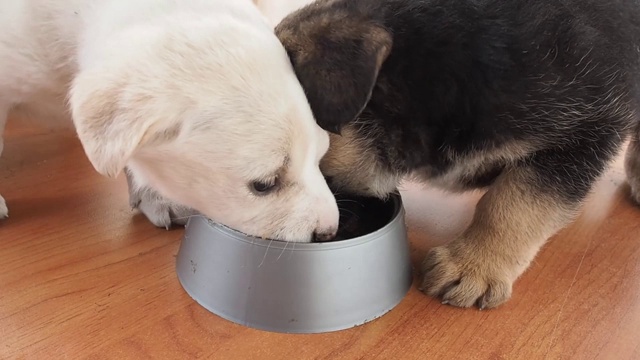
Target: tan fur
380, 43
354, 165
512, 221
377, 40
476, 163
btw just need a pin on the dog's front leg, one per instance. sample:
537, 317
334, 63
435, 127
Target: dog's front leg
528, 204
157, 209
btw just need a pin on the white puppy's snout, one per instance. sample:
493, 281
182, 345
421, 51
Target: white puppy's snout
325, 235
328, 218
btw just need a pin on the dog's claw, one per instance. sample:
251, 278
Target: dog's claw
461, 286
481, 303
159, 211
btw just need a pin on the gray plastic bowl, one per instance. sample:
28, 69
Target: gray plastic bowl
296, 287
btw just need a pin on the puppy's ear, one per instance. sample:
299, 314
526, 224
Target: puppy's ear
337, 66
109, 126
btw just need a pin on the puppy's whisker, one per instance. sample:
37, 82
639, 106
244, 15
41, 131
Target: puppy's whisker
265, 254
283, 249
293, 247
350, 213
348, 201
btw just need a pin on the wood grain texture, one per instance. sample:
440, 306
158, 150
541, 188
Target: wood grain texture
82, 276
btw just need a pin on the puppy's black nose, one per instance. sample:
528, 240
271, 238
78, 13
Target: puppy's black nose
325, 235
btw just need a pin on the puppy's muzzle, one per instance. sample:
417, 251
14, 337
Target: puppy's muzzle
325, 234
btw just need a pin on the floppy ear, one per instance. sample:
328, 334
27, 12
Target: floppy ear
338, 68
108, 131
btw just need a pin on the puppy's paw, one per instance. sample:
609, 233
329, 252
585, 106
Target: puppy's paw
462, 278
157, 212
4, 211
160, 212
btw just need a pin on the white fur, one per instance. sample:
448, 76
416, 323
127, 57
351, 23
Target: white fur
276, 10
197, 98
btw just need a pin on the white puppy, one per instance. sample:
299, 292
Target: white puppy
196, 98
161, 211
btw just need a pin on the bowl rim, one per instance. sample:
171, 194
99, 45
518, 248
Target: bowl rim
232, 234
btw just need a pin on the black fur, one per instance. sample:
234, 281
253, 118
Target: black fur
530, 97
468, 77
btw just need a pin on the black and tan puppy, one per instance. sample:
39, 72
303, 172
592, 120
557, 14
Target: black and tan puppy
532, 99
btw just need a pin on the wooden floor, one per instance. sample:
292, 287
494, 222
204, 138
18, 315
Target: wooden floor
82, 276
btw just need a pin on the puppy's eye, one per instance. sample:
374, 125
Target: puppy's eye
261, 187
